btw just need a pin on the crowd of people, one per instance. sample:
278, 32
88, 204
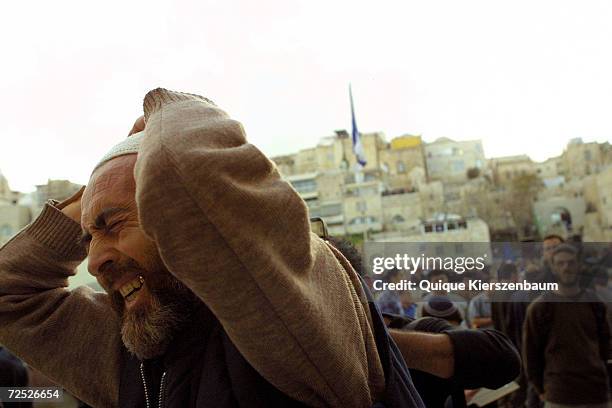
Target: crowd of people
563, 335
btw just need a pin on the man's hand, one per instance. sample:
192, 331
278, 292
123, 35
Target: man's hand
139, 126
71, 207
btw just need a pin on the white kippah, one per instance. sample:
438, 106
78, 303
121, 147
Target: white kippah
131, 145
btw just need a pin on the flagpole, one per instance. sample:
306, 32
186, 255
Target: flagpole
359, 156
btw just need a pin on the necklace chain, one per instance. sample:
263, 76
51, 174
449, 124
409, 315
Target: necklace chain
146, 389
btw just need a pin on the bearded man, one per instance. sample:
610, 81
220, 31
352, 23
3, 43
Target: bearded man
566, 340
217, 293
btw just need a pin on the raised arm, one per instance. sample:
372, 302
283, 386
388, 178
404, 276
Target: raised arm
70, 336
469, 358
232, 230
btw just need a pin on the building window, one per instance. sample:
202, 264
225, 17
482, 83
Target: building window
305, 186
362, 206
587, 155
401, 167
397, 219
458, 165
331, 210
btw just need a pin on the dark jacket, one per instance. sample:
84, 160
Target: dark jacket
483, 358
203, 368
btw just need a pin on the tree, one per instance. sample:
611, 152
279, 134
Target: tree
473, 172
520, 198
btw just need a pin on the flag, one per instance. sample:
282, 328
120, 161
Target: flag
357, 146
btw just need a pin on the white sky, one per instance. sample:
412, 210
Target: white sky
523, 76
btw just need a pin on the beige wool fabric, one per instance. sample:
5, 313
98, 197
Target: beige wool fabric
236, 234
130, 145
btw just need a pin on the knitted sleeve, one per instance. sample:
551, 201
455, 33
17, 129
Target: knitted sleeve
239, 237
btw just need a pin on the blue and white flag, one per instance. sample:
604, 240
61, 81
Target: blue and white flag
357, 146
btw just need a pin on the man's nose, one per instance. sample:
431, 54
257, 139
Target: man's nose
100, 258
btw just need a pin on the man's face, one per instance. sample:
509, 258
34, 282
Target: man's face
126, 263
442, 278
533, 273
565, 268
547, 246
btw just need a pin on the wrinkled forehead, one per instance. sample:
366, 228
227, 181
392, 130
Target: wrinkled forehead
112, 184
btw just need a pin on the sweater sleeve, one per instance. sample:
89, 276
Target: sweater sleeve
534, 344
484, 358
239, 237
70, 336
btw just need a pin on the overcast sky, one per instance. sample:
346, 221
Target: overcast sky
523, 76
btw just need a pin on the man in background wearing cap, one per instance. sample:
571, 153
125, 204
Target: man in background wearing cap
566, 337
222, 295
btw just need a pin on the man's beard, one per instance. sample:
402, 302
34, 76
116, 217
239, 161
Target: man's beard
148, 328
566, 283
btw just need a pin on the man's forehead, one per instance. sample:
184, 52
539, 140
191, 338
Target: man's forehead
551, 242
109, 182
113, 181
564, 255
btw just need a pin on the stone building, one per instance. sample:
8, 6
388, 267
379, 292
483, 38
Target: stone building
13, 217
399, 158
505, 169
581, 159
55, 189
449, 161
562, 215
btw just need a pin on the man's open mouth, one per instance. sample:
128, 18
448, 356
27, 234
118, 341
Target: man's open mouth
129, 290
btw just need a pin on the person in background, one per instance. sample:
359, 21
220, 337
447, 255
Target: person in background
506, 273
600, 281
442, 308
479, 310
443, 358
460, 303
519, 302
390, 301
566, 340
549, 243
